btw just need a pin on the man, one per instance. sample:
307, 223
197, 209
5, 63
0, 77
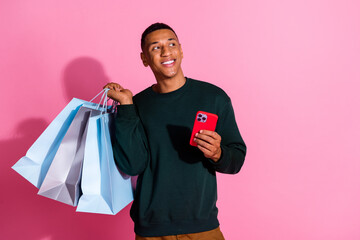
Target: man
176, 189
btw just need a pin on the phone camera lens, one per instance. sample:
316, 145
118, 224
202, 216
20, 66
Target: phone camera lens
199, 119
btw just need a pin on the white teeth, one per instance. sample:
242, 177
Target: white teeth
168, 62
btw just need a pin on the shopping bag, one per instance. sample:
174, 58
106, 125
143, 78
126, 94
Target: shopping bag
104, 189
62, 181
35, 164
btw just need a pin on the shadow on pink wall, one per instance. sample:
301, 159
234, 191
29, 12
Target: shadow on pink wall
30, 216
83, 78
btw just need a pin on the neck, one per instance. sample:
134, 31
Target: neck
169, 84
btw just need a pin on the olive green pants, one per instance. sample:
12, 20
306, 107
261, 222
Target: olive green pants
208, 235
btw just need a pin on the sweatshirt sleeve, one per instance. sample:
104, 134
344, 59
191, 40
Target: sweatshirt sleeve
233, 148
130, 143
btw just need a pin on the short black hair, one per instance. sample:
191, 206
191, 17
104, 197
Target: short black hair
153, 27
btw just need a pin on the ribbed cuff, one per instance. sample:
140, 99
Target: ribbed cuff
222, 160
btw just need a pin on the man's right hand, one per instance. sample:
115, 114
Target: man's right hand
119, 94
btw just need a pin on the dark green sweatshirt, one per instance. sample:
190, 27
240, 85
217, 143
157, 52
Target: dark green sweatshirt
176, 190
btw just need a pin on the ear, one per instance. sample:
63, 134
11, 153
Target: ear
143, 58
181, 52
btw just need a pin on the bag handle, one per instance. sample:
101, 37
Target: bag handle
97, 96
104, 99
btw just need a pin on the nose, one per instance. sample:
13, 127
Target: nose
165, 51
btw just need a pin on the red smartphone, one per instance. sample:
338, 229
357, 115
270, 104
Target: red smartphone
203, 121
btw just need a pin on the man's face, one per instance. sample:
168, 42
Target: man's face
162, 52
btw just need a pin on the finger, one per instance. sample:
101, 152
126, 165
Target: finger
215, 156
111, 94
109, 86
204, 144
204, 150
113, 86
119, 87
205, 138
113, 91
210, 136
213, 134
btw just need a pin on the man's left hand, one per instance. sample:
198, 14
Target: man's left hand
209, 143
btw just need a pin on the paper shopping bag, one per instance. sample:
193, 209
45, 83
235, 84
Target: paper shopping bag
104, 189
35, 164
62, 181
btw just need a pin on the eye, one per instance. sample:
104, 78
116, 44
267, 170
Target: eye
156, 48
172, 44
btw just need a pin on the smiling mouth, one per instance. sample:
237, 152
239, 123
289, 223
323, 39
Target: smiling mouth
168, 62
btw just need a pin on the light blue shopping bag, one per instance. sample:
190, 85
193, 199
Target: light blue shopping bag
35, 164
62, 181
104, 189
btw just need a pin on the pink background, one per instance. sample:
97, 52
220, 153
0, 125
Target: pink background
292, 69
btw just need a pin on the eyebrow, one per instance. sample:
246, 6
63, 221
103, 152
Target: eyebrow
170, 39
